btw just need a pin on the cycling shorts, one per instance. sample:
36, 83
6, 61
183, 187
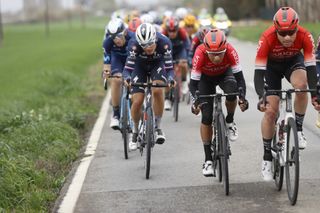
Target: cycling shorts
141, 70
207, 85
277, 70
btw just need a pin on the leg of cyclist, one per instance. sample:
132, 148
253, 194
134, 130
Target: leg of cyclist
158, 76
183, 66
136, 105
116, 70
298, 80
207, 87
229, 85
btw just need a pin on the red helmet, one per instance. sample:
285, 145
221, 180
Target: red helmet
134, 24
286, 18
215, 40
172, 24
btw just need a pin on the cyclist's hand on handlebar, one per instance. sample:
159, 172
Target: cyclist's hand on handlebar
243, 104
315, 104
172, 83
105, 74
262, 106
127, 82
195, 109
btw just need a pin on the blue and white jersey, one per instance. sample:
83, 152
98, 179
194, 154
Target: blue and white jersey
109, 48
162, 53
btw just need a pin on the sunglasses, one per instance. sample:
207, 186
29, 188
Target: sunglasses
286, 32
147, 44
172, 31
118, 35
216, 52
189, 26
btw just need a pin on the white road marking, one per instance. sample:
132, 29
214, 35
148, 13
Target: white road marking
69, 201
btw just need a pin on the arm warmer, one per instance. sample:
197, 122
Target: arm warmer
259, 81
193, 87
241, 82
312, 79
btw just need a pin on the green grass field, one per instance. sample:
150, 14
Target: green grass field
50, 87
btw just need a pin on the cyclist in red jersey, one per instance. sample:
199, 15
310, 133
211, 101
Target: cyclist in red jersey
215, 63
279, 55
134, 24
318, 73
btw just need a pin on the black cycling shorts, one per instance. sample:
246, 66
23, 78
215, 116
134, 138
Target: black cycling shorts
276, 70
207, 85
141, 70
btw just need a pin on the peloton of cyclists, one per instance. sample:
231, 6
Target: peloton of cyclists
216, 62
115, 55
149, 51
279, 55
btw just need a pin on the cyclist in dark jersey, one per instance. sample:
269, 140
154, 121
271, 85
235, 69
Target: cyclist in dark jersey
115, 54
279, 55
149, 52
216, 62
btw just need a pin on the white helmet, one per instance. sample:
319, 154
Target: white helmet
146, 18
146, 34
114, 27
220, 10
181, 12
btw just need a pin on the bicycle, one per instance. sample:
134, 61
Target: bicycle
220, 144
146, 129
175, 93
125, 124
285, 144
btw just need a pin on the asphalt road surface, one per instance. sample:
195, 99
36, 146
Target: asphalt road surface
176, 183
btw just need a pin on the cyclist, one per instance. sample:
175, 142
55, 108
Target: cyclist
134, 24
190, 24
279, 55
149, 51
216, 62
180, 48
115, 54
198, 39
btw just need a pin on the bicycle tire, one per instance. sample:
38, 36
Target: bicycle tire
125, 127
224, 155
278, 170
149, 140
292, 160
176, 102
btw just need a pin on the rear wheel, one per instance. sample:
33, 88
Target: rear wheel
224, 154
149, 140
292, 165
176, 102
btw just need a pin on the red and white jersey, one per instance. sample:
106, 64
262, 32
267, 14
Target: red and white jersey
202, 64
271, 48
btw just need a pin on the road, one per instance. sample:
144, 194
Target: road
176, 184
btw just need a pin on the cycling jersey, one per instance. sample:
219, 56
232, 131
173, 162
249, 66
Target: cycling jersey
201, 63
138, 57
196, 41
180, 44
114, 55
270, 48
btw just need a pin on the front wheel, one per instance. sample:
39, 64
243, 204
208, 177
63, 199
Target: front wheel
278, 170
149, 140
224, 154
176, 102
125, 127
292, 164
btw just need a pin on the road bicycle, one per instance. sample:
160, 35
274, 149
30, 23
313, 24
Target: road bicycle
146, 137
220, 146
285, 144
125, 123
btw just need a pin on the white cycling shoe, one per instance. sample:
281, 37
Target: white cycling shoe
232, 131
266, 171
207, 169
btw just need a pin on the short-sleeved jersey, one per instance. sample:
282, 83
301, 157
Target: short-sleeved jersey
201, 64
270, 48
137, 54
109, 46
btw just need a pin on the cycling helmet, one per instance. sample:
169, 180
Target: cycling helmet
172, 24
146, 34
190, 20
146, 18
115, 26
134, 24
203, 31
215, 40
286, 18
181, 12
220, 10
